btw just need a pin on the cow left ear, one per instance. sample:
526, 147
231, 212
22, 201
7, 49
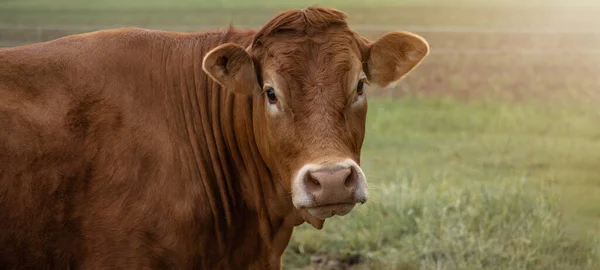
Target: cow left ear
393, 56
231, 66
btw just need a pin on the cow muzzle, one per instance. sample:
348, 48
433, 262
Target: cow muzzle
325, 190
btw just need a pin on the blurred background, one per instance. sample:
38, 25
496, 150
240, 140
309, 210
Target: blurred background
487, 156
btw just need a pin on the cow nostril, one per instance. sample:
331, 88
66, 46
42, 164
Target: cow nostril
314, 181
311, 182
350, 179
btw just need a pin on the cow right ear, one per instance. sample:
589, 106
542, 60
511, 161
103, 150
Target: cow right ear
231, 66
393, 56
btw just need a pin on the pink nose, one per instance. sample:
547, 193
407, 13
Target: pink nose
332, 184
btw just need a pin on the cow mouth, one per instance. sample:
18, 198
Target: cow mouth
325, 211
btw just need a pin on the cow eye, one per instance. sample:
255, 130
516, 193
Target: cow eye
359, 87
271, 95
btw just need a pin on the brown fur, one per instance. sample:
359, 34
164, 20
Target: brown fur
117, 151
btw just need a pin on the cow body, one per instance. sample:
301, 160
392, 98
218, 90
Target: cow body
120, 150
98, 159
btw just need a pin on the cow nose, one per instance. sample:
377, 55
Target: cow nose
332, 184
330, 189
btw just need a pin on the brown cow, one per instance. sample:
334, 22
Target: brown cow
139, 149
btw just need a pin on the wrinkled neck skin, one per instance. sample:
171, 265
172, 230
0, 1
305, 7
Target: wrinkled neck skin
239, 202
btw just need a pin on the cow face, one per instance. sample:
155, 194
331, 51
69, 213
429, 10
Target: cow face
308, 76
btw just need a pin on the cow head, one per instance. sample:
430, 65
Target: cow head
308, 73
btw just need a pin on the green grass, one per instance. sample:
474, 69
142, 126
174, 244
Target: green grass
471, 185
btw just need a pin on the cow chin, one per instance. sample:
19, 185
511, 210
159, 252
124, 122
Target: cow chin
325, 211
323, 190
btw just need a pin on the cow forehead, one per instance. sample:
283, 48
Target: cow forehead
328, 41
321, 59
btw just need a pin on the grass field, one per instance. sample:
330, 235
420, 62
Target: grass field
472, 185
485, 157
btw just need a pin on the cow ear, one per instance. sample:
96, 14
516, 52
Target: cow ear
393, 56
231, 66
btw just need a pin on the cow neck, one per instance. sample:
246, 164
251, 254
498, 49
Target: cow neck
219, 128
276, 218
